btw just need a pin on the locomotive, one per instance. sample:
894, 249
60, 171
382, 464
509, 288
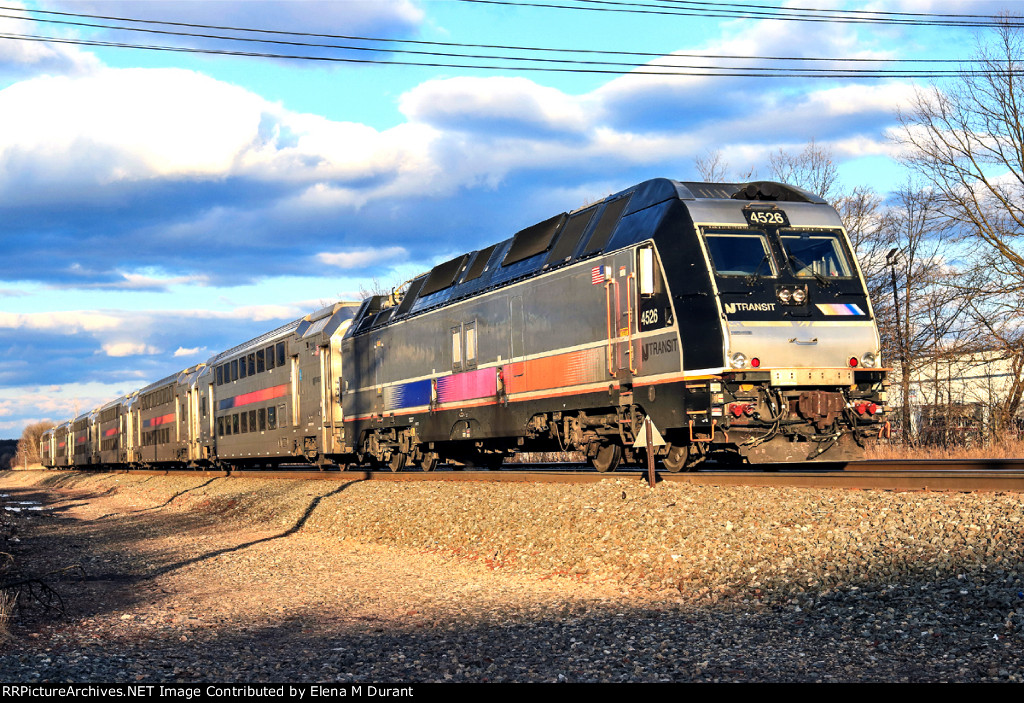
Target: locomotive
733, 317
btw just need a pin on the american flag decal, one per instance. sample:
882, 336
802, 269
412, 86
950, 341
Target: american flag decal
598, 275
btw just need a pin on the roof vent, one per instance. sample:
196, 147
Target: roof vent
770, 190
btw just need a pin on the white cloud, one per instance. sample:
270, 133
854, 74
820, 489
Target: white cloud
84, 137
134, 281
124, 124
129, 349
181, 351
68, 322
358, 258
331, 17
91, 136
55, 403
19, 56
495, 104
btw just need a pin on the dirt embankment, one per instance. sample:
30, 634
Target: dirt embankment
172, 562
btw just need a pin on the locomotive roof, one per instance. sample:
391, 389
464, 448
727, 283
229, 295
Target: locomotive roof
586, 232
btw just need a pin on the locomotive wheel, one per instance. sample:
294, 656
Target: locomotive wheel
677, 458
429, 461
397, 461
608, 458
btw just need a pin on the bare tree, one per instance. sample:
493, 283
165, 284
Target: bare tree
375, 287
811, 169
28, 445
967, 142
996, 314
928, 320
712, 166
866, 221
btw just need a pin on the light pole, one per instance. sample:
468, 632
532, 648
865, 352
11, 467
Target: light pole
890, 259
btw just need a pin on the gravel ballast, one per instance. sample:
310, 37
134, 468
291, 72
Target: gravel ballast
217, 579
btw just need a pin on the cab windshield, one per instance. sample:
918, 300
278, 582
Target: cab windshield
740, 253
813, 254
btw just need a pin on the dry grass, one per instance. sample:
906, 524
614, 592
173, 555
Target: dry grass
1006, 449
6, 610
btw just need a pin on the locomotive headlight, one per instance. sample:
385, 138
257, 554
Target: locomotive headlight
738, 360
791, 294
868, 361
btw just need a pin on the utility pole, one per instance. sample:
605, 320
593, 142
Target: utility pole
890, 259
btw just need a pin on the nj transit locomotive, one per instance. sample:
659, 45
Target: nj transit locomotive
732, 315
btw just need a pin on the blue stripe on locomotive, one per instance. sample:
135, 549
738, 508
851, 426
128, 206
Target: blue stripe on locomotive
407, 395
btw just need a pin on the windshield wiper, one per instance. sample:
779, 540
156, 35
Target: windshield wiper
793, 260
755, 277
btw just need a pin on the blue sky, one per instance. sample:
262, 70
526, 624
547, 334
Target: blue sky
159, 207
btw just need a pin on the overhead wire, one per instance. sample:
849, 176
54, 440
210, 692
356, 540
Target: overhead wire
572, 65
851, 11
388, 40
701, 72
781, 13
853, 71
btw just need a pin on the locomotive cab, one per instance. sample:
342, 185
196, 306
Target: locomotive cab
800, 348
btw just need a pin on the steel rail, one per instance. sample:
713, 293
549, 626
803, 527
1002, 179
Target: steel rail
938, 465
876, 479
916, 475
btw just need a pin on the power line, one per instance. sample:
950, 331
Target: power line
490, 57
752, 11
446, 59
460, 45
780, 15
696, 72
839, 11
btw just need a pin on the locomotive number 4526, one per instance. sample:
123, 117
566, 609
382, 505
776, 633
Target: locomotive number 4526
775, 218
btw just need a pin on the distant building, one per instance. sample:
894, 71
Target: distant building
957, 399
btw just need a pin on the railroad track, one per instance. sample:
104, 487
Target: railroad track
924, 475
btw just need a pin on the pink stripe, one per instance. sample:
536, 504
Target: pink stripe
257, 396
463, 386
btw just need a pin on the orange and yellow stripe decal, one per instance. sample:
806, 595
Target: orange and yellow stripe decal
572, 369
